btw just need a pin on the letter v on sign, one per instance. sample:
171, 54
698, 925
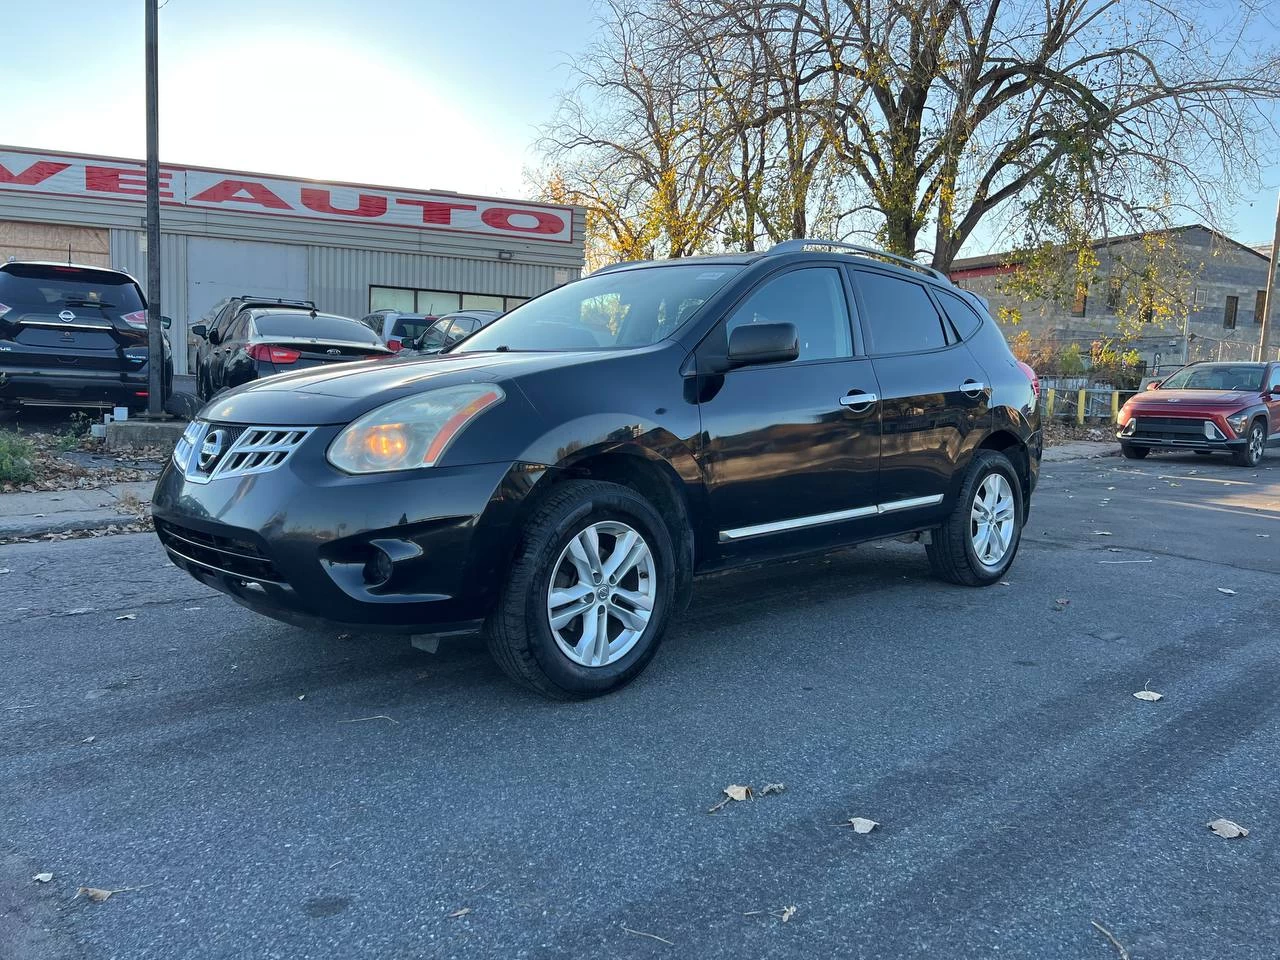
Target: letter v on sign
38, 172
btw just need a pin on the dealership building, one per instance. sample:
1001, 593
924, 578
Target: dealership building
350, 248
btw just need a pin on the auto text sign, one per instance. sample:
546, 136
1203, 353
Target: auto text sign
125, 180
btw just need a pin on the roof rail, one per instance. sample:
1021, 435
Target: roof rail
248, 299
797, 246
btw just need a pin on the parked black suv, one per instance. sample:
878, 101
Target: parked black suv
73, 336
563, 473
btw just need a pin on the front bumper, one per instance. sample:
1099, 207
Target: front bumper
294, 543
1197, 432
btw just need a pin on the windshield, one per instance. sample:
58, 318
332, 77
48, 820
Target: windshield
32, 288
1217, 376
611, 311
305, 326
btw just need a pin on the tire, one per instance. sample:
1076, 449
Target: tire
550, 554
953, 554
1251, 454
1130, 452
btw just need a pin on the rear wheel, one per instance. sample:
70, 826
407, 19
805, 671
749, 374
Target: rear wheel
1131, 452
589, 593
1250, 455
978, 542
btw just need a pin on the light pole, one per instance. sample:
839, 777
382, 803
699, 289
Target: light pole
155, 335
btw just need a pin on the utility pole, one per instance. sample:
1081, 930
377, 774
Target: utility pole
155, 335
1264, 342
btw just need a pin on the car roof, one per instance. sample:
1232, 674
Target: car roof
258, 313
64, 265
470, 313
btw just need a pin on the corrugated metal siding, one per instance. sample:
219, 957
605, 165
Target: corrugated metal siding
340, 278
127, 255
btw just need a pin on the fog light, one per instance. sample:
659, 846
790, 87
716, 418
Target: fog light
1211, 431
377, 569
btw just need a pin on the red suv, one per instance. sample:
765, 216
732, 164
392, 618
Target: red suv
1205, 407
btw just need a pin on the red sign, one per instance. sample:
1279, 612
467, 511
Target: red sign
28, 171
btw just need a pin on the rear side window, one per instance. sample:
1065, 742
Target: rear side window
410, 328
962, 316
812, 299
900, 316
305, 326
30, 288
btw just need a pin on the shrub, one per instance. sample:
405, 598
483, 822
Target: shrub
17, 458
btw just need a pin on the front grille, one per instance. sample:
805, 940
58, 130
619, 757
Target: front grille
216, 451
224, 554
1169, 428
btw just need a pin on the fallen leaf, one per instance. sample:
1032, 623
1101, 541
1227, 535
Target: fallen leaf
127, 616
95, 894
1228, 829
88, 739
1149, 695
1061, 603
769, 788
1005, 583
4, 570
42, 877
787, 913
862, 824
1261, 536
737, 792
302, 696
1227, 590
462, 912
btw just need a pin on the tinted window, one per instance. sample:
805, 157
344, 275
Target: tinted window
238, 328
607, 311
1275, 378
410, 328
319, 328
962, 316
900, 316
27, 288
813, 299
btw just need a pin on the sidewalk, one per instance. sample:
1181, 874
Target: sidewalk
1081, 450
35, 514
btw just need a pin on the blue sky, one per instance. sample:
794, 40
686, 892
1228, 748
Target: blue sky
440, 94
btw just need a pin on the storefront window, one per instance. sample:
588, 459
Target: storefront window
481, 301
390, 298
436, 303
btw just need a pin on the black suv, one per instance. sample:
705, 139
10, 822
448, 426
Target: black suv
562, 474
73, 336
213, 327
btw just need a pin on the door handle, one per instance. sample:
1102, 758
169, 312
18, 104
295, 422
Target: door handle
858, 401
973, 388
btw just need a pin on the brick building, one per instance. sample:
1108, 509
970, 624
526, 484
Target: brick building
1225, 299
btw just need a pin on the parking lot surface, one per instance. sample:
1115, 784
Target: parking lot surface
256, 790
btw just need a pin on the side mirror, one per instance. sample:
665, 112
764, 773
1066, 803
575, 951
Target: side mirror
166, 322
200, 330
1153, 385
215, 337
1275, 391
755, 343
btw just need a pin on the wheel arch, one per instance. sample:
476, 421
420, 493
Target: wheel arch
1015, 448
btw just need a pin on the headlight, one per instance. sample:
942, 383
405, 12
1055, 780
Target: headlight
186, 443
1239, 423
413, 432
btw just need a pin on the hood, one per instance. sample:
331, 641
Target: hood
1191, 399
340, 392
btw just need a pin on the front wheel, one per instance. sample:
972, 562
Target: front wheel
589, 593
1131, 452
1250, 455
977, 544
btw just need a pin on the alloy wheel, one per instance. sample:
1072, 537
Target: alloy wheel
992, 518
1257, 443
602, 593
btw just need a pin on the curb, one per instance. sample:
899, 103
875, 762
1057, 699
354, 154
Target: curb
62, 523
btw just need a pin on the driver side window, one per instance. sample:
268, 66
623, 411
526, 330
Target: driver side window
811, 298
1274, 380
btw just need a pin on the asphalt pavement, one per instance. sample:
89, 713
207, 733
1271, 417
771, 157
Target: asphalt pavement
259, 791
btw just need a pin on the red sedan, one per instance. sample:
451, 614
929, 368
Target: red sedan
1234, 407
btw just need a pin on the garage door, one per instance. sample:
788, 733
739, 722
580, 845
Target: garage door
217, 269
